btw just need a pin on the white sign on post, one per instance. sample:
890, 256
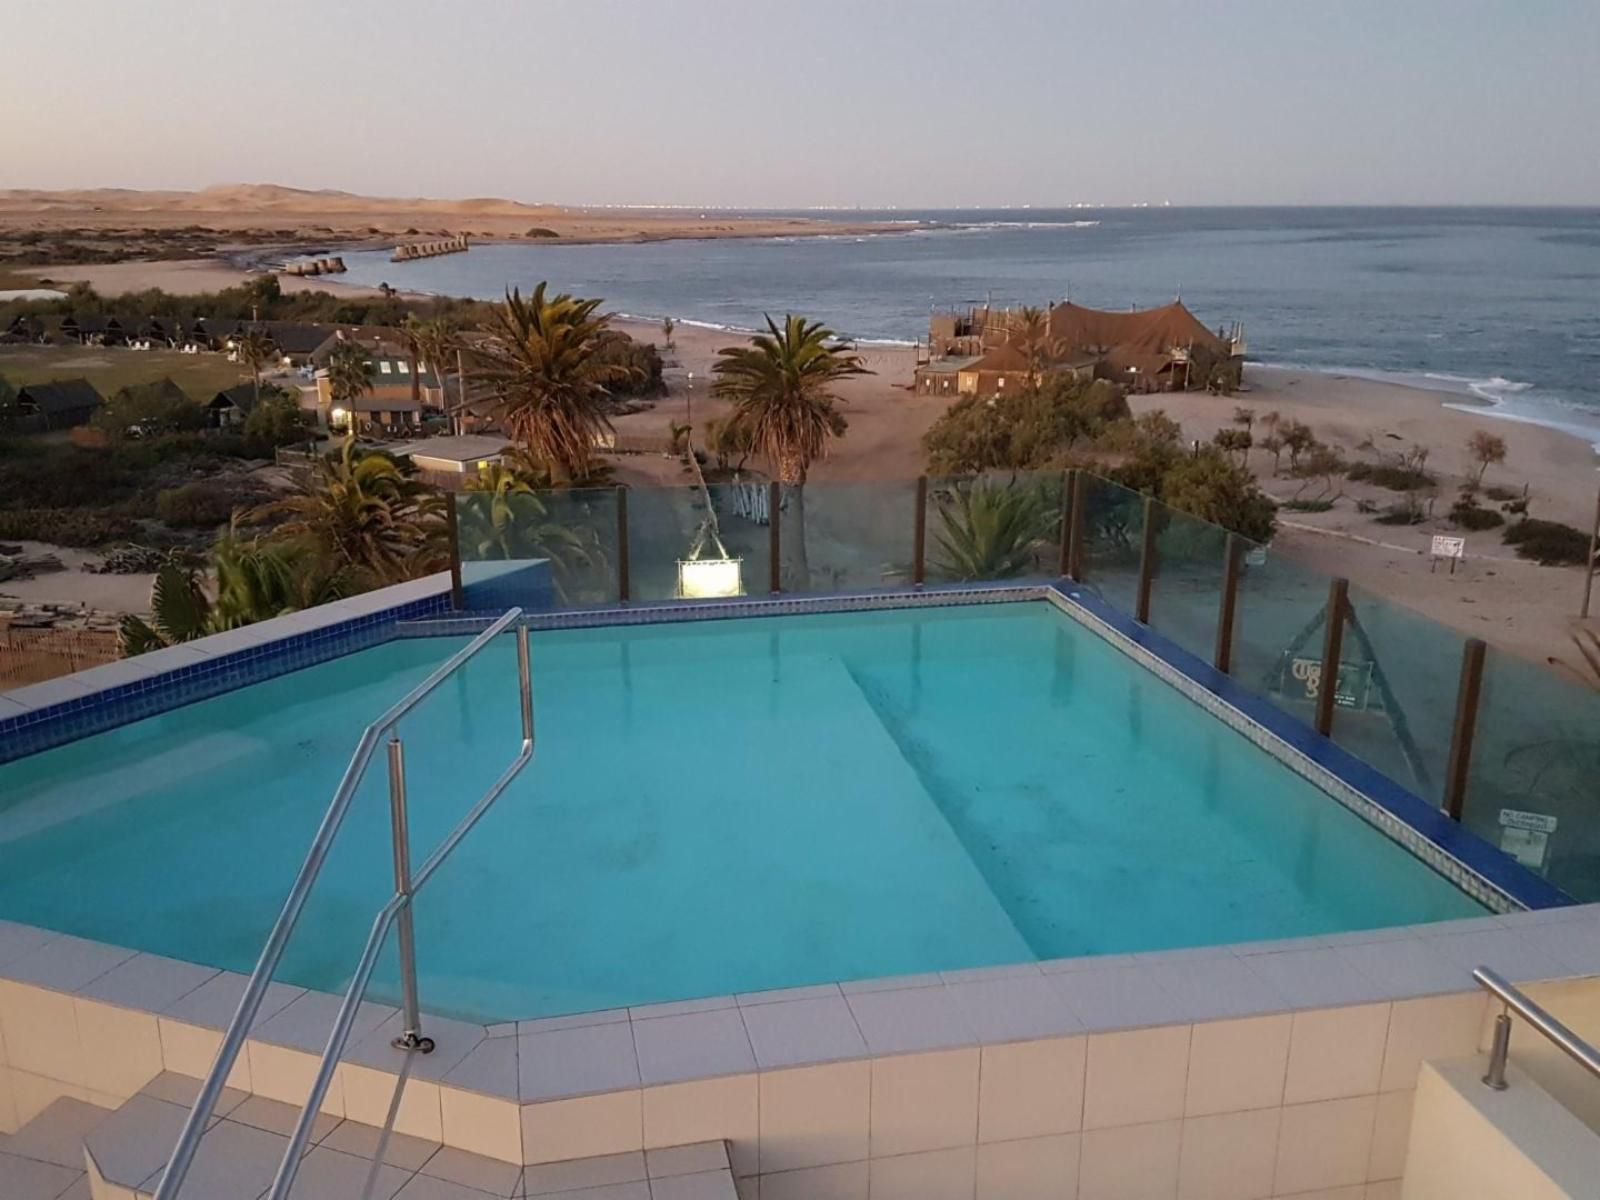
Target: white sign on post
1526, 836
1453, 548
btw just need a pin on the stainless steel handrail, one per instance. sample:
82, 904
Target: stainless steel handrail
1568, 1042
250, 1002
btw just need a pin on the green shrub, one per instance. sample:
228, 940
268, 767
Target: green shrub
1401, 514
1467, 513
1396, 479
1549, 543
65, 526
201, 505
1322, 505
539, 231
1496, 492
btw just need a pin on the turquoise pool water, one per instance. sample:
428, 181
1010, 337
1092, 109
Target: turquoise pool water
714, 807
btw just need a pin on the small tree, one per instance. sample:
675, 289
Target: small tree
1245, 418
254, 351
667, 326
1297, 439
1234, 441
1485, 448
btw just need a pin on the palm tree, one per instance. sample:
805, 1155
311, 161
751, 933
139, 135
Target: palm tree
254, 350
782, 388
667, 326
547, 382
436, 341
993, 531
256, 579
502, 516
349, 376
1032, 338
362, 516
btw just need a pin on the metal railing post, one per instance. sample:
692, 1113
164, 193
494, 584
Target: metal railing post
524, 682
1226, 614
1462, 731
1147, 563
1499, 1051
624, 582
1332, 648
453, 527
919, 551
774, 536
411, 1038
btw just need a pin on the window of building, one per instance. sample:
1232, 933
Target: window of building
403, 367
385, 367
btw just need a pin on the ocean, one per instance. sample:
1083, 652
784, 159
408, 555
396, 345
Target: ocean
1497, 307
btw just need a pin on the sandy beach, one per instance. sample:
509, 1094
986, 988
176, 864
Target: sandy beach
1511, 603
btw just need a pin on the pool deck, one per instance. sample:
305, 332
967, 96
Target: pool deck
903, 1079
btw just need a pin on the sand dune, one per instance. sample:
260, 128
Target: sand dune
258, 206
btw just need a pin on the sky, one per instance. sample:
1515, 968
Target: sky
799, 103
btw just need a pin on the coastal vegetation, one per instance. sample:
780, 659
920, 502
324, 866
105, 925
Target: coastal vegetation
1064, 423
785, 407
993, 529
547, 377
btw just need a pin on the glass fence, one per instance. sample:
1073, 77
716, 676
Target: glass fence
1532, 785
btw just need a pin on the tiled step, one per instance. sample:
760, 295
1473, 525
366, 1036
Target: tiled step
44, 1159
126, 1153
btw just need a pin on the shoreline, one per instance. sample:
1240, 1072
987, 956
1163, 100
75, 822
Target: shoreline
213, 273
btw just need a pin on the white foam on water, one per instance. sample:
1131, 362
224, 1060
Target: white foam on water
1497, 397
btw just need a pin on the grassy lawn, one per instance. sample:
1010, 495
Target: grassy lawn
112, 368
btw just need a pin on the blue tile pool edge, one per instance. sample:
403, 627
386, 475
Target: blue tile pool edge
1483, 871
307, 639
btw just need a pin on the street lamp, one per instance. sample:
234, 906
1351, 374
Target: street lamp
688, 408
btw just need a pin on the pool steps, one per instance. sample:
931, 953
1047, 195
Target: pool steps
75, 1150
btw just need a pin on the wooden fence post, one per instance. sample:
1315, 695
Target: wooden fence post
1332, 648
1223, 660
624, 571
1147, 563
919, 553
1468, 693
453, 529
774, 536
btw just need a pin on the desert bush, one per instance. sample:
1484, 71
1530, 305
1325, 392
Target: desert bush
1401, 513
1321, 504
1387, 475
1502, 494
1549, 543
1467, 513
65, 526
200, 505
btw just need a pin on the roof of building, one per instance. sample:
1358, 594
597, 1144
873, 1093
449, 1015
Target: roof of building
241, 396
1141, 339
950, 364
61, 395
290, 337
466, 448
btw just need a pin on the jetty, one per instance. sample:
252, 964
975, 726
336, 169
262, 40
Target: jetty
333, 265
410, 250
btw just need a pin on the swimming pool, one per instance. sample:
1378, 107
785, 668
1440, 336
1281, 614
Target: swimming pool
715, 807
